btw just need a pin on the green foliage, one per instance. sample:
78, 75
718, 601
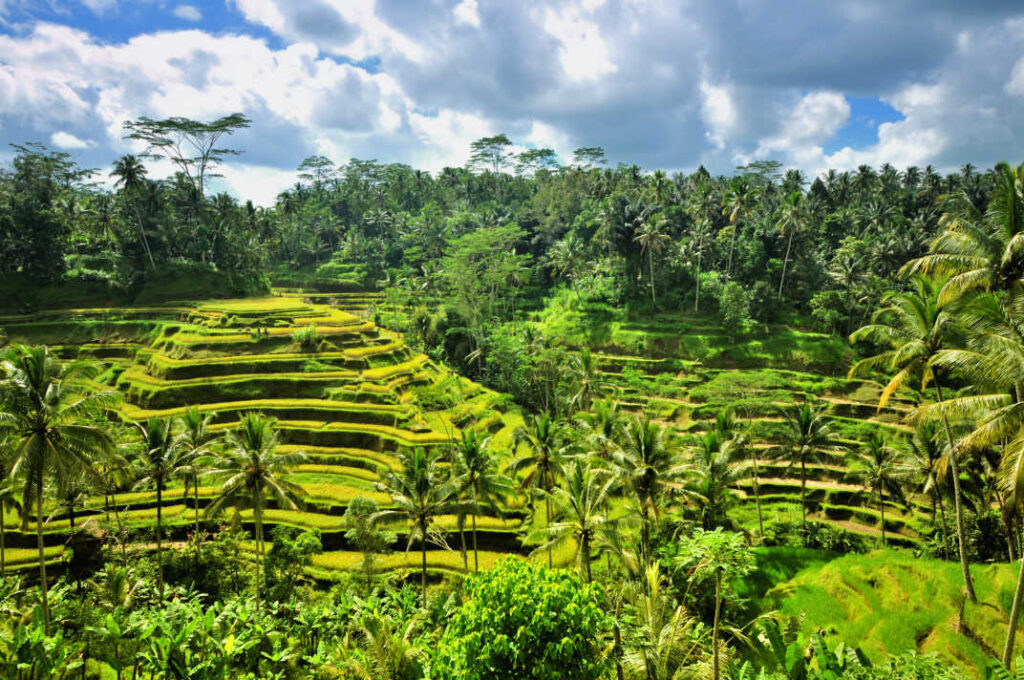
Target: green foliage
521, 622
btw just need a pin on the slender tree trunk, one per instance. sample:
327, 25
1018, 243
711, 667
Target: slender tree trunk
696, 297
258, 517
42, 552
159, 546
423, 564
732, 246
881, 507
1011, 632
618, 640
714, 631
3, 542
196, 498
803, 497
757, 502
945, 530
585, 554
476, 557
547, 521
958, 503
462, 541
785, 262
650, 271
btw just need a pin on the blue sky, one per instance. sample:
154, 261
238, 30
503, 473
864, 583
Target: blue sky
660, 83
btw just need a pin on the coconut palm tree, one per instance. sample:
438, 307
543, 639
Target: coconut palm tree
791, 218
45, 402
420, 492
388, 651
252, 471
645, 464
979, 251
195, 439
662, 640
924, 459
916, 329
160, 461
880, 470
581, 505
808, 438
547, 449
736, 206
652, 239
717, 467
599, 428
477, 476
588, 381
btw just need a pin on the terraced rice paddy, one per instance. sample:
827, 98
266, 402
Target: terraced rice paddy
685, 383
350, 397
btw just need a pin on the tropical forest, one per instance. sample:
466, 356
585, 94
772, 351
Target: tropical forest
540, 414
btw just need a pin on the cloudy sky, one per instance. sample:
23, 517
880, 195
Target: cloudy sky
659, 83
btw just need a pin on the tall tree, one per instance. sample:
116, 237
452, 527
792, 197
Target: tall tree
652, 239
808, 438
582, 509
253, 471
790, 219
47, 404
195, 439
191, 145
161, 460
546, 453
880, 470
420, 493
914, 328
477, 476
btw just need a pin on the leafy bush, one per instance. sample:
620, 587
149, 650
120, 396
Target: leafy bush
306, 338
524, 622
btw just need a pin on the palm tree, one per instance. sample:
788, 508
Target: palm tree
161, 460
790, 219
923, 461
652, 239
588, 381
701, 231
131, 176
717, 468
662, 642
420, 493
599, 428
645, 464
44, 401
809, 438
546, 452
979, 251
195, 439
252, 469
388, 651
477, 475
737, 205
916, 328
881, 471
7, 492
582, 505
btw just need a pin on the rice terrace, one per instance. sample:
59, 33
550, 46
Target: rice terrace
708, 366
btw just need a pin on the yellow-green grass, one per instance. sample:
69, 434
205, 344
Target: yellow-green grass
387, 433
137, 374
387, 372
134, 412
892, 602
339, 470
328, 453
278, 304
437, 560
196, 338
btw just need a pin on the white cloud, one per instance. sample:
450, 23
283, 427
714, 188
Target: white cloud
814, 119
467, 12
100, 6
583, 53
719, 112
66, 140
188, 13
257, 183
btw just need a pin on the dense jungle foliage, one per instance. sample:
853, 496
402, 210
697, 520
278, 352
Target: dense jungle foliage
641, 546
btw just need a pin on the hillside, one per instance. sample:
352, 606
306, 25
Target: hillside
345, 392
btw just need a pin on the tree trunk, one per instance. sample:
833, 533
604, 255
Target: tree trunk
881, 508
196, 497
785, 262
476, 557
757, 502
159, 546
958, 504
803, 497
585, 553
423, 556
945, 530
696, 298
618, 640
462, 541
3, 542
650, 270
1011, 632
258, 517
714, 630
42, 552
547, 521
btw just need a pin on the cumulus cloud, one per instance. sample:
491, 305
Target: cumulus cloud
656, 82
66, 140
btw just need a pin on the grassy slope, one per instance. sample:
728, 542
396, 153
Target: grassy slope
889, 601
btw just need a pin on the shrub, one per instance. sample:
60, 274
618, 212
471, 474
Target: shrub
524, 622
306, 338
